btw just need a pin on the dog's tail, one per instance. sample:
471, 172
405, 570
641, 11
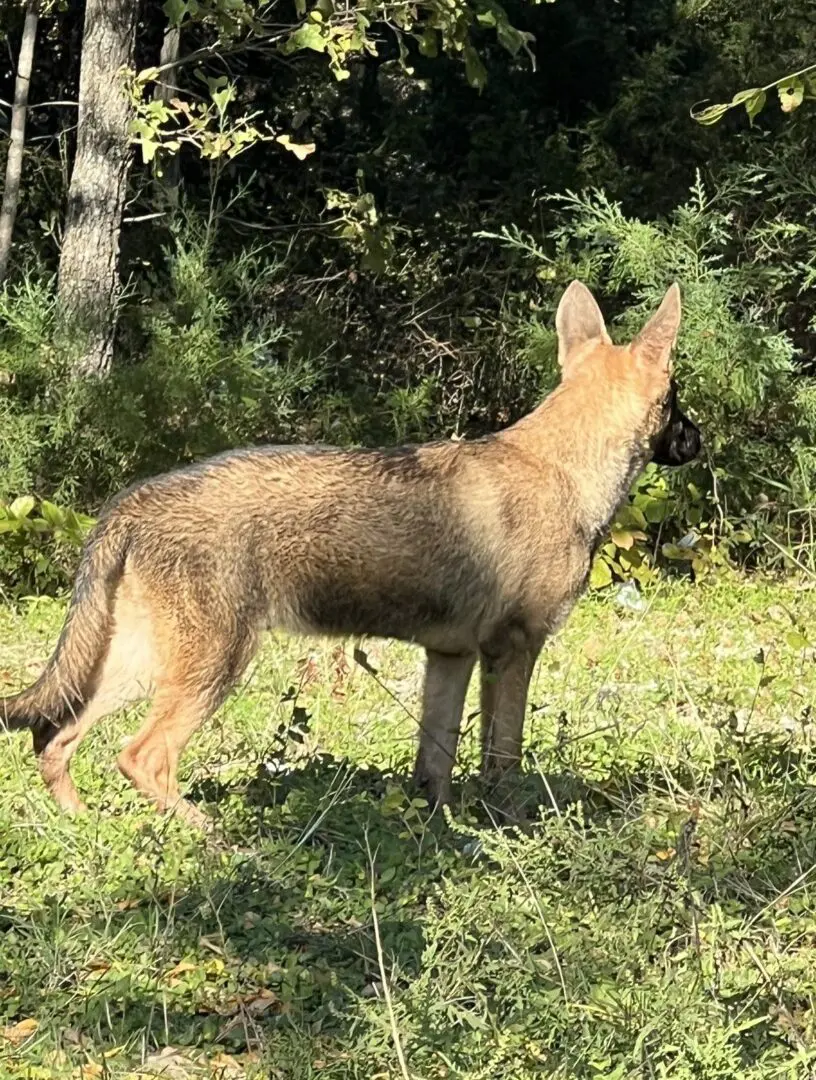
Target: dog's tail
66, 684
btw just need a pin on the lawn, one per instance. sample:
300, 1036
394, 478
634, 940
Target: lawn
657, 919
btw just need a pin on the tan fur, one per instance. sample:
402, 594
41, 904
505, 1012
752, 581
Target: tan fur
474, 550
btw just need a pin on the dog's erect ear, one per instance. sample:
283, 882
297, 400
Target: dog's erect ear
656, 340
578, 320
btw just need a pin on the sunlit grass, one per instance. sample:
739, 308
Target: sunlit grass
656, 921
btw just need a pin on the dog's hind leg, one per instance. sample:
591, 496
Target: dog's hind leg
194, 683
54, 747
125, 677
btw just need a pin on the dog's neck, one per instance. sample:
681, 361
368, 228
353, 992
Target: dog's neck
596, 440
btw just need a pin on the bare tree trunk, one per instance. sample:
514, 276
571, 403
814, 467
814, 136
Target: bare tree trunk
89, 263
14, 162
167, 180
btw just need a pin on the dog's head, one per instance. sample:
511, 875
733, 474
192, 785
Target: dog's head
679, 441
636, 379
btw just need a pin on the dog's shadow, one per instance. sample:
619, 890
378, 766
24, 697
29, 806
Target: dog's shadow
284, 896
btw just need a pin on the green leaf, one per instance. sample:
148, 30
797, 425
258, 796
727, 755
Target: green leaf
791, 93
388, 874
796, 640
630, 560
175, 10
22, 506
511, 39
677, 553
656, 510
631, 516
158, 111
622, 538
600, 575
393, 800
148, 148
306, 37
474, 69
52, 514
711, 114
755, 104
222, 98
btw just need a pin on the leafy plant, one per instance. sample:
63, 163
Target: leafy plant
39, 545
736, 376
791, 90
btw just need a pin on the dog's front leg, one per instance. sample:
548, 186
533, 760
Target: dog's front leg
505, 678
446, 682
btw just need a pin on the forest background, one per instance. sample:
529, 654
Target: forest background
283, 222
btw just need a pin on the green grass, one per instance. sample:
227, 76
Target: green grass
657, 920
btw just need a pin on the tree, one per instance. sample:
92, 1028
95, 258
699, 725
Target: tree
88, 270
113, 110
14, 162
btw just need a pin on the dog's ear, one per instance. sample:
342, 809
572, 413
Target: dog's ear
656, 340
577, 321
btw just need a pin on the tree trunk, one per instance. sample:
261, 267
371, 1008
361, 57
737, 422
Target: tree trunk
14, 162
167, 170
89, 263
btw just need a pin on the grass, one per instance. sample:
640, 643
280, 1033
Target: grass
657, 920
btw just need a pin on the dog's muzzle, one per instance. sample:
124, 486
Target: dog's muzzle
679, 444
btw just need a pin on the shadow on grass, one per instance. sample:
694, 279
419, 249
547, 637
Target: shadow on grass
272, 932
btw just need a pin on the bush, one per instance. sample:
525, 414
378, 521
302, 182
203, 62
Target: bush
205, 367
736, 372
39, 546
208, 366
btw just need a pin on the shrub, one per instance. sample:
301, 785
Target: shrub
205, 367
39, 546
736, 372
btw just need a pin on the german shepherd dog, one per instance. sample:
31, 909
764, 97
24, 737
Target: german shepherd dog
473, 550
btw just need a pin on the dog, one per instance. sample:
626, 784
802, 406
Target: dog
475, 550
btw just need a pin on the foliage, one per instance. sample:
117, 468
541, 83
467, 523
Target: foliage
340, 33
792, 90
736, 376
39, 545
657, 915
349, 289
206, 379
